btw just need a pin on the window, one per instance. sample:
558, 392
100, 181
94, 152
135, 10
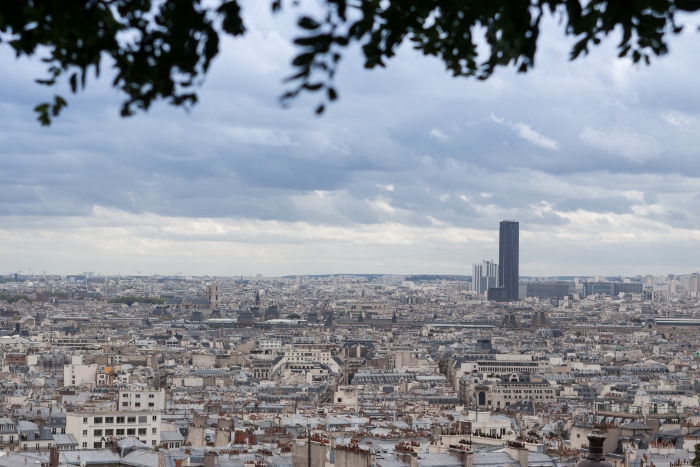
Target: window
143, 419
125, 404
155, 418
97, 433
125, 395
137, 404
84, 432
130, 419
120, 419
151, 404
138, 396
153, 442
120, 431
63, 431
151, 396
130, 431
109, 419
84, 445
98, 419
154, 431
142, 431
97, 445
84, 419
109, 432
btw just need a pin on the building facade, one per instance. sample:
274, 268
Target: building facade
96, 430
509, 258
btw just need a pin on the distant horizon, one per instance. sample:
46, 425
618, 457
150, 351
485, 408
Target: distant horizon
296, 276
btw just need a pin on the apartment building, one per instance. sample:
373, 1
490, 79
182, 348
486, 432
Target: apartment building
95, 430
74, 375
141, 400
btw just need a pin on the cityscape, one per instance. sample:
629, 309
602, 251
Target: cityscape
351, 370
349, 233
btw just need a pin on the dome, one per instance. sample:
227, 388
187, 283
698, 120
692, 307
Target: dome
542, 333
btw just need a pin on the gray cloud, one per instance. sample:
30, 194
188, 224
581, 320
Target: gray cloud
582, 153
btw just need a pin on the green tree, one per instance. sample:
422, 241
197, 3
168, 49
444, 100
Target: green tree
14, 298
293, 316
161, 49
696, 460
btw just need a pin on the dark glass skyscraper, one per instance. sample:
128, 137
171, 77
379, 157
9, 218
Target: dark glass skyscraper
509, 259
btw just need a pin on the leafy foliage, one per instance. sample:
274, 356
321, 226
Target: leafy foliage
696, 460
450, 30
161, 49
293, 316
14, 298
131, 299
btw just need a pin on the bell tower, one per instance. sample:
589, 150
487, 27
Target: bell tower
213, 293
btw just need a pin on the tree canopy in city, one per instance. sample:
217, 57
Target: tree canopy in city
161, 49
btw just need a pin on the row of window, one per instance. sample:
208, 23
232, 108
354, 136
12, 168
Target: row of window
137, 404
100, 444
120, 431
138, 396
108, 420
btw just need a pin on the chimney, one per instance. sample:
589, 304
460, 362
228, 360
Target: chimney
210, 459
522, 457
53, 457
595, 457
469, 459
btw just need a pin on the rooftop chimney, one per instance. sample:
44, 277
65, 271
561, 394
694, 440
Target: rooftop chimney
595, 457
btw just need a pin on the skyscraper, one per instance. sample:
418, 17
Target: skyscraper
484, 276
509, 262
509, 258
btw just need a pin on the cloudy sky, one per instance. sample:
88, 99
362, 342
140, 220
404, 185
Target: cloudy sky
410, 172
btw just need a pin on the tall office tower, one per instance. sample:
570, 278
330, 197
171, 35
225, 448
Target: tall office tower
484, 276
509, 258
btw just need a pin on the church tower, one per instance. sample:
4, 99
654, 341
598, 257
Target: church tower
213, 293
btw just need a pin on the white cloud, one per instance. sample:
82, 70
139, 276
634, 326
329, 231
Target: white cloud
382, 205
260, 136
438, 134
629, 144
386, 187
682, 120
526, 132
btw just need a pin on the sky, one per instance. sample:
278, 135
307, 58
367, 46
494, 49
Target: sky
409, 172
